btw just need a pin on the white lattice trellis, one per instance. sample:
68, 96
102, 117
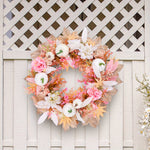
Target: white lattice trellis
24, 23
120, 23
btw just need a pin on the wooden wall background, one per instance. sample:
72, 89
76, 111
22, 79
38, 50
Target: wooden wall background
23, 26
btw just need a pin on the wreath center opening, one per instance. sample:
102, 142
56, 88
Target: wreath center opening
72, 77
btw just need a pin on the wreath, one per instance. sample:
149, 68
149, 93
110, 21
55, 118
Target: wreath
69, 107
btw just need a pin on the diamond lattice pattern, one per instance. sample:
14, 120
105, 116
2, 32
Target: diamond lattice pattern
120, 23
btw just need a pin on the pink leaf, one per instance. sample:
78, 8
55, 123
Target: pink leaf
30, 80
112, 66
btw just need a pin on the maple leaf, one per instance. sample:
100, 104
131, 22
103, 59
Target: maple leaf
68, 122
99, 111
31, 88
70, 36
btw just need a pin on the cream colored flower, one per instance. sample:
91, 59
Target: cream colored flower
147, 110
98, 66
41, 79
69, 110
77, 103
62, 50
74, 44
51, 101
86, 51
50, 56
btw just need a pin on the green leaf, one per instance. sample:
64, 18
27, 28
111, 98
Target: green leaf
42, 79
70, 111
101, 64
59, 52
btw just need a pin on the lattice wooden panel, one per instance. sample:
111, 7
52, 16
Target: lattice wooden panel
120, 23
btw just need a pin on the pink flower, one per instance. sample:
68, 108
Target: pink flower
95, 93
38, 65
42, 91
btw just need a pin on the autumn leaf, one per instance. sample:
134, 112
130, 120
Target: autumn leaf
36, 53
92, 121
99, 111
68, 122
108, 95
70, 36
31, 88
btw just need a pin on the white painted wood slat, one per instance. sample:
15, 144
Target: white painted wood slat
8, 102
44, 136
20, 105
91, 138
104, 129
116, 118
31, 119
1, 75
138, 70
55, 135
128, 104
147, 36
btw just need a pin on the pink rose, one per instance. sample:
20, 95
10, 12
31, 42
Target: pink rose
95, 93
38, 65
42, 91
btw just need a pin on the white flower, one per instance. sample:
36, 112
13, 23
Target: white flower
98, 65
50, 101
109, 85
50, 56
53, 98
69, 110
147, 110
77, 103
143, 126
62, 50
86, 51
74, 44
41, 79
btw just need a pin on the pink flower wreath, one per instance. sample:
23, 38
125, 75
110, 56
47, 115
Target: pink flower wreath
86, 104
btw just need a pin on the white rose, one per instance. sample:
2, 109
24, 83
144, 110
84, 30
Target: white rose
62, 50
147, 110
69, 110
50, 55
41, 79
86, 51
74, 44
98, 65
77, 103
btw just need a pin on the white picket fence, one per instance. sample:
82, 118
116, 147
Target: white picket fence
24, 23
